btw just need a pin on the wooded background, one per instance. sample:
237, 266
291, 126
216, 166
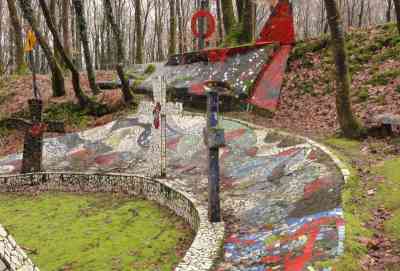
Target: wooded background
147, 26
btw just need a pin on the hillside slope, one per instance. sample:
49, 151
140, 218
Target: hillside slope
308, 100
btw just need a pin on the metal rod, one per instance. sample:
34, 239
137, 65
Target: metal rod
163, 143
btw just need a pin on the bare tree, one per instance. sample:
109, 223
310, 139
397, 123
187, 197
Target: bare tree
65, 26
228, 15
80, 19
19, 44
348, 123
172, 28
139, 36
128, 97
84, 101
57, 76
397, 8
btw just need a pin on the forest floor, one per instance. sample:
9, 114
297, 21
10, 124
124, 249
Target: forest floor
307, 108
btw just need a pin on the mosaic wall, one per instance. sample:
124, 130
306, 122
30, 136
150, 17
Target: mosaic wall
280, 194
240, 71
201, 255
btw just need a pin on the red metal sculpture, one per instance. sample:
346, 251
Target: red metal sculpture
278, 29
210, 23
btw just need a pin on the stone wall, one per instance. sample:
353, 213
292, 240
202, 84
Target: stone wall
209, 237
12, 257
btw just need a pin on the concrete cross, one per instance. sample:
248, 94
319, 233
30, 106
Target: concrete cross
34, 131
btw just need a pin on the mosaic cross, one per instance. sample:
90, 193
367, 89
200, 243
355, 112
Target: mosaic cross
34, 131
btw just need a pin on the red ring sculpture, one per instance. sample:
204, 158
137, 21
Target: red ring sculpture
210, 22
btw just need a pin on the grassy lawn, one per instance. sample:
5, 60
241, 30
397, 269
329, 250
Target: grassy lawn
94, 232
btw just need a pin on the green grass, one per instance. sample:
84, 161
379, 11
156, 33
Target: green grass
355, 208
392, 226
69, 113
388, 194
94, 232
358, 207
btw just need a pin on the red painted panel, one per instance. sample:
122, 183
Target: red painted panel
267, 89
280, 26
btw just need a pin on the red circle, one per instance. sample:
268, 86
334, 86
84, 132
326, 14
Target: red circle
210, 22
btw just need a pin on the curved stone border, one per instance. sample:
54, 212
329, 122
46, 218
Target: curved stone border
209, 236
12, 255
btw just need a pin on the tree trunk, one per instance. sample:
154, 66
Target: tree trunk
389, 11
65, 26
128, 97
180, 26
240, 7
57, 76
80, 19
138, 29
360, 18
159, 29
78, 46
247, 21
172, 28
397, 8
228, 14
83, 100
220, 28
19, 44
348, 123
2, 68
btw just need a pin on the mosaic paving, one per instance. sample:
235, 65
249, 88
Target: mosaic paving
281, 196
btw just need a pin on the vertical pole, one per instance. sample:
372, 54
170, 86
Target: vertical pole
214, 208
163, 126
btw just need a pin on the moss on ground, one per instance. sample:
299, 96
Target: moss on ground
94, 232
70, 113
363, 95
388, 194
355, 207
358, 207
384, 78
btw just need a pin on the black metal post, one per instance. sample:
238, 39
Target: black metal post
214, 140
